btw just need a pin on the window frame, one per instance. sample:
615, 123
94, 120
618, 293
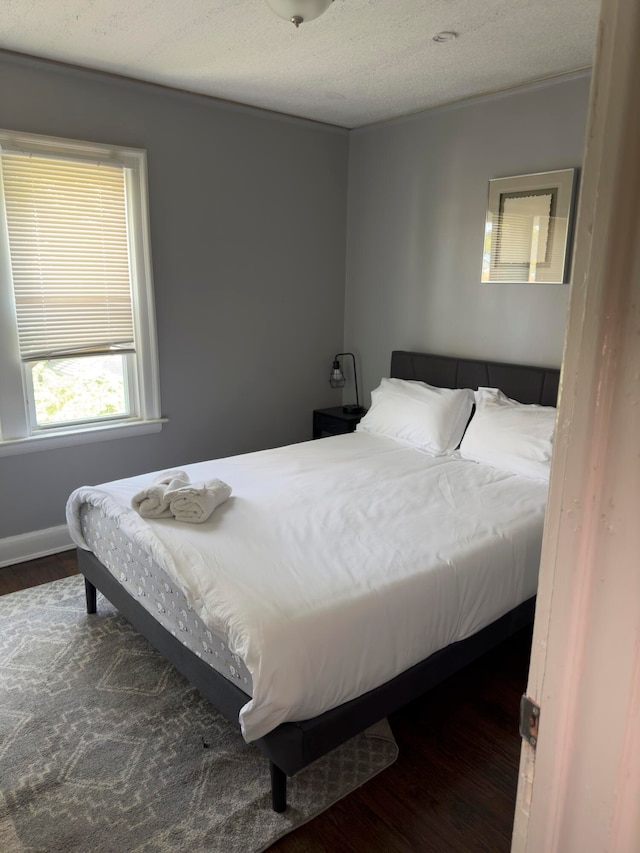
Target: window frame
16, 432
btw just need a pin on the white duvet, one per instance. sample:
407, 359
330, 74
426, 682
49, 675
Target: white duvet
337, 564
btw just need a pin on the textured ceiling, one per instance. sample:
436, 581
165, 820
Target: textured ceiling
361, 62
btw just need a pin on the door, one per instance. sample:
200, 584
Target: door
579, 789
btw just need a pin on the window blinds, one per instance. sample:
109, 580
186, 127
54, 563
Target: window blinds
69, 251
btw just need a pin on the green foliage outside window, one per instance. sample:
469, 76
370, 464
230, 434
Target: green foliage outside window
78, 389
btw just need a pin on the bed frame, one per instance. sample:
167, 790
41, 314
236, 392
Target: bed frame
292, 746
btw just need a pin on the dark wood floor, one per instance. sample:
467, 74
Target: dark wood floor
25, 575
453, 787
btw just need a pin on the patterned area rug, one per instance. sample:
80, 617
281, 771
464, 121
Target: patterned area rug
105, 747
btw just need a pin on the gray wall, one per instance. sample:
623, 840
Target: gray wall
248, 231
417, 202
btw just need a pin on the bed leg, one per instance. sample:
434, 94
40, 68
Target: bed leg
90, 592
278, 788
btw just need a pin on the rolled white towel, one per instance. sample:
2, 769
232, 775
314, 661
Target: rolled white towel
195, 502
152, 502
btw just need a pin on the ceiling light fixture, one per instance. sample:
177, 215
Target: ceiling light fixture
445, 35
299, 11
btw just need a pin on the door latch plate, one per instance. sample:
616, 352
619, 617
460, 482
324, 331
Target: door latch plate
529, 720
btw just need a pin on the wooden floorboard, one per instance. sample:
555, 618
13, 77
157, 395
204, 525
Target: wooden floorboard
453, 787
35, 572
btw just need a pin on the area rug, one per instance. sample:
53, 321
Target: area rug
105, 747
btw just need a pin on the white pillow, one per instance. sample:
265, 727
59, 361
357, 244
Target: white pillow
417, 414
516, 437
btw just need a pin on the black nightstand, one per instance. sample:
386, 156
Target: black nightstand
334, 422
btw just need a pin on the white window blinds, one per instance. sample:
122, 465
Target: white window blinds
69, 252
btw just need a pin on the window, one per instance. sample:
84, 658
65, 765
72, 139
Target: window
77, 332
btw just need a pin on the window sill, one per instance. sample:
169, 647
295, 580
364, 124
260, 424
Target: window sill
84, 435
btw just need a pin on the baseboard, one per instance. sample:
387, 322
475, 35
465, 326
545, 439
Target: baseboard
38, 543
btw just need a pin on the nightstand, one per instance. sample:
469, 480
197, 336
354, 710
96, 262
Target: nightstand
334, 422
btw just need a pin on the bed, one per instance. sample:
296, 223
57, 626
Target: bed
300, 674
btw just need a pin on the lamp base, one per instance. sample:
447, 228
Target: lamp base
353, 410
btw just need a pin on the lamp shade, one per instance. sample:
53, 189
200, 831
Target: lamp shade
337, 378
299, 11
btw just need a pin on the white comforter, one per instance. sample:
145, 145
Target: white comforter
337, 564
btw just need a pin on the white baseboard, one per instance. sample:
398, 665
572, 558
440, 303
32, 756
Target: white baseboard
30, 546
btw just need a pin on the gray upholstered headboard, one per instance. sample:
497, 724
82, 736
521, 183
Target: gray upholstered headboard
518, 381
